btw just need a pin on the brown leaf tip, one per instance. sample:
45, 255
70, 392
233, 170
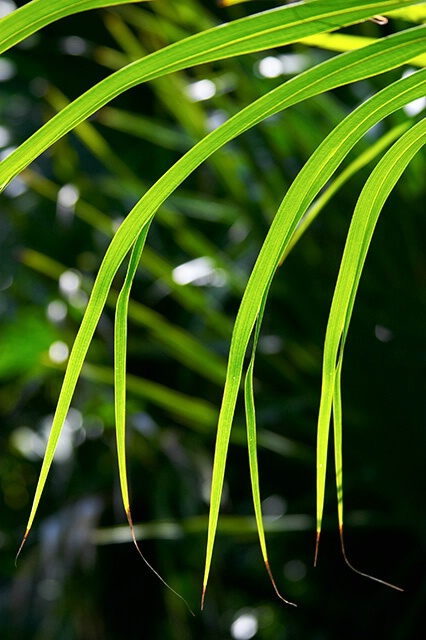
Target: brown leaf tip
24, 539
271, 577
361, 573
316, 547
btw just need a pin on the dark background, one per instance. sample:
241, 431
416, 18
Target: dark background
79, 576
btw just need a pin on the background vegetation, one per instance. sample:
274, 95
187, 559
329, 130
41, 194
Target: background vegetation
79, 576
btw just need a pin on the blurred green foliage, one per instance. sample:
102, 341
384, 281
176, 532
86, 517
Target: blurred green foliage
79, 576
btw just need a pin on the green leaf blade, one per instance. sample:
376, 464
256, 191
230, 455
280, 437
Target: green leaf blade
35, 15
369, 206
272, 28
307, 184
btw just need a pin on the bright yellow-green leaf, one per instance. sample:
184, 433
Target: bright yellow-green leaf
269, 29
368, 208
299, 197
254, 33
35, 15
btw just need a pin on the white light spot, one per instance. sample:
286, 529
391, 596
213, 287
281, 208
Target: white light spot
415, 106
28, 443
295, 570
32, 445
294, 63
6, 7
56, 311
383, 333
7, 69
58, 352
4, 136
68, 195
201, 90
244, 627
286, 64
65, 203
74, 46
270, 67
199, 272
69, 282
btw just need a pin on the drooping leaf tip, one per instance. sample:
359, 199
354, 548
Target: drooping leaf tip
24, 539
132, 531
317, 547
361, 573
203, 595
166, 584
271, 577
